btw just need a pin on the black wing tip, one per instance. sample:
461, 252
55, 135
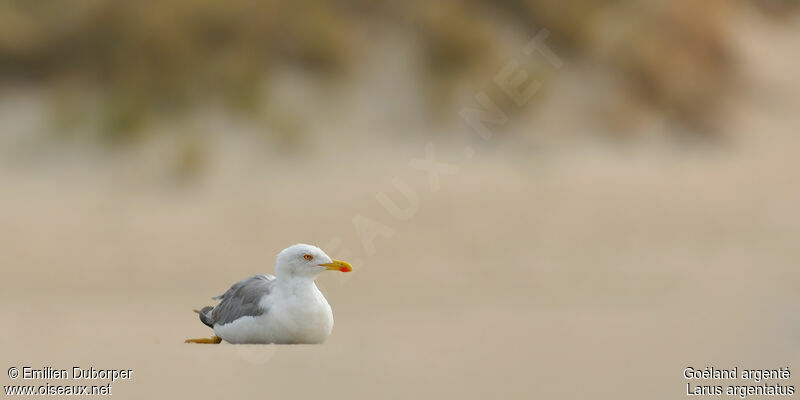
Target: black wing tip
205, 316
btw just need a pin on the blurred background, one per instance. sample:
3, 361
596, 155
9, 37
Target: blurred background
635, 216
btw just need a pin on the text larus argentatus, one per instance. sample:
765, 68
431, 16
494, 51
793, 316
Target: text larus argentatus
287, 308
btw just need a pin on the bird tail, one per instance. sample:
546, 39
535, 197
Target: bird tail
205, 315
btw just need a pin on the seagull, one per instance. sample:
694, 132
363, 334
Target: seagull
287, 308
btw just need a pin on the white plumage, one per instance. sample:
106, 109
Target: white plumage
287, 308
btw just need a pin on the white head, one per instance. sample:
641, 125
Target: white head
305, 260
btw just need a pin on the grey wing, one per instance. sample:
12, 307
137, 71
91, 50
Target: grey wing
240, 300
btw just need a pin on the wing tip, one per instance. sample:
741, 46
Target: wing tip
205, 318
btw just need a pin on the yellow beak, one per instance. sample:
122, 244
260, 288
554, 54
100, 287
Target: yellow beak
338, 266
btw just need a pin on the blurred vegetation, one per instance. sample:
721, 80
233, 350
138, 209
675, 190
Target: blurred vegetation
147, 58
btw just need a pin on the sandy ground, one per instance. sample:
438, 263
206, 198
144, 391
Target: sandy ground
590, 273
601, 276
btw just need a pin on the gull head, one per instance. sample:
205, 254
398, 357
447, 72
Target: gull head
305, 260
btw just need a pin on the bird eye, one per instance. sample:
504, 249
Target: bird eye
307, 257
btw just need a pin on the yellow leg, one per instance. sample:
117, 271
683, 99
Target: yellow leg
211, 340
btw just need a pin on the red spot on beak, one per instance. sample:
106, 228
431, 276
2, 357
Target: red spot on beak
346, 269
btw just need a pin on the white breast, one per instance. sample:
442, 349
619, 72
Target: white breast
296, 314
